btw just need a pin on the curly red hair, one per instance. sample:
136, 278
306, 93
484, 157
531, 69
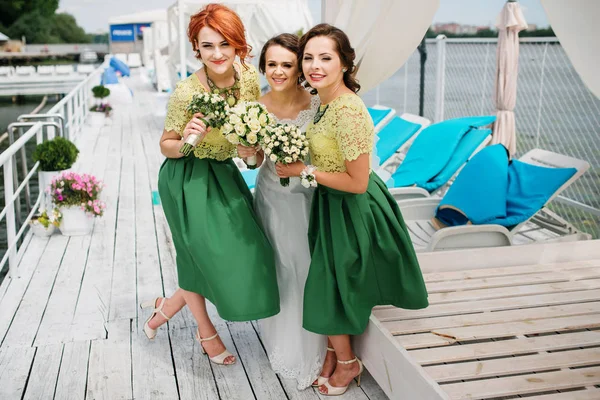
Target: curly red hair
225, 21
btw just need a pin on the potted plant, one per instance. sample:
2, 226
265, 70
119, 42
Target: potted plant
54, 156
43, 225
100, 110
77, 197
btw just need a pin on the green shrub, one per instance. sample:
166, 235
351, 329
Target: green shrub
100, 91
56, 154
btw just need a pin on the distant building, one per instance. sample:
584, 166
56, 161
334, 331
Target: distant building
452, 27
9, 46
532, 27
456, 29
126, 31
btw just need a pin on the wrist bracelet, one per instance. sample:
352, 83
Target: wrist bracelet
307, 176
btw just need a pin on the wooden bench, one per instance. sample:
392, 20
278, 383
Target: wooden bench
521, 320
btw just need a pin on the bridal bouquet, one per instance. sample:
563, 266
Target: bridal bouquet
246, 125
214, 108
286, 144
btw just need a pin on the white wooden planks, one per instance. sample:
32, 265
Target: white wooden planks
109, 375
500, 317
506, 347
73, 375
514, 365
15, 363
523, 384
44, 372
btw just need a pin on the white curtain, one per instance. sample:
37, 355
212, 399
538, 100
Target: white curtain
575, 24
384, 33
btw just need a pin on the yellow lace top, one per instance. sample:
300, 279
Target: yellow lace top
344, 132
214, 145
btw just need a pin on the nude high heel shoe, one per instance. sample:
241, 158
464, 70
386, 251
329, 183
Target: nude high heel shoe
218, 359
151, 333
322, 379
337, 391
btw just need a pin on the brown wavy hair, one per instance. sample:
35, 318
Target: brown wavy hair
225, 21
288, 41
342, 46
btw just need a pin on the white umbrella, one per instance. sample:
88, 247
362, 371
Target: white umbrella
510, 22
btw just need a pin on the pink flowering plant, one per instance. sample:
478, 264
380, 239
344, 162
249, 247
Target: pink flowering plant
73, 189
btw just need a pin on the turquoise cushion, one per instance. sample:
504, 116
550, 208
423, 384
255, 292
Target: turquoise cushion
249, 176
393, 136
378, 115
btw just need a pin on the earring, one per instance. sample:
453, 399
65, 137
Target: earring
344, 70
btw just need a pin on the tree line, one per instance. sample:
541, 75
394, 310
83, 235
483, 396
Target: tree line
488, 33
38, 21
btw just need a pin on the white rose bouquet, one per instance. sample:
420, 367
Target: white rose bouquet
285, 143
246, 125
214, 108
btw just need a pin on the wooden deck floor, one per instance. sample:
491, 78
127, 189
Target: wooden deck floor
70, 326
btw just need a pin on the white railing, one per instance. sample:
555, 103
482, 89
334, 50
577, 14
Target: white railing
65, 119
11, 195
554, 111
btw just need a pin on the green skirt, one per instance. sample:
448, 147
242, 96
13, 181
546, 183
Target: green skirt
362, 256
222, 252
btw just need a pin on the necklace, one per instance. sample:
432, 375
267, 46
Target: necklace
319, 114
230, 93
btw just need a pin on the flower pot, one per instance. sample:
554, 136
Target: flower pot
39, 230
75, 221
44, 179
96, 119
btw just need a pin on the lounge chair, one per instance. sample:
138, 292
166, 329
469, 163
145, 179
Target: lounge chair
249, 176
437, 155
393, 139
520, 213
381, 116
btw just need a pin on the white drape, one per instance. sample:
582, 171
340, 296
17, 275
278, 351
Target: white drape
575, 25
384, 33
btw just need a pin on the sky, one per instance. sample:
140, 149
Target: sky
93, 15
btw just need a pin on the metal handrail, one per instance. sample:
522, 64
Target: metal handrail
67, 117
10, 195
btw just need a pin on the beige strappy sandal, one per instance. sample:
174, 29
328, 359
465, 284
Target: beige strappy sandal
336, 390
322, 379
151, 333
218, 359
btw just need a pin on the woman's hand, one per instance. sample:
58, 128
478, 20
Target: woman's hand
245, 152
289, 170
196, 127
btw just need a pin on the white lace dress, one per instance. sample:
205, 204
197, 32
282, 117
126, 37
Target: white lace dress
294, 352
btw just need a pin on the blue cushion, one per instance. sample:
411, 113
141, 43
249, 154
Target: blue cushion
393, 136
249, 176
120, 66
489, 190
469, 143
109, 76
433, 149
378, 115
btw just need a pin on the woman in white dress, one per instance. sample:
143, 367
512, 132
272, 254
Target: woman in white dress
294, 352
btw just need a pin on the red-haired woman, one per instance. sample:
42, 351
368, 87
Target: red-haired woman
222, 253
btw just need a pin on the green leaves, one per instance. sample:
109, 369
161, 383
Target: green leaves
55, 155
100, 91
